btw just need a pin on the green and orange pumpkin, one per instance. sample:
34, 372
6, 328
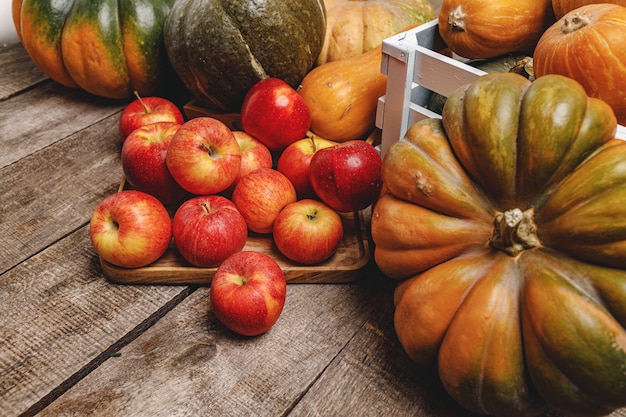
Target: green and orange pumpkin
505, 222
109, 48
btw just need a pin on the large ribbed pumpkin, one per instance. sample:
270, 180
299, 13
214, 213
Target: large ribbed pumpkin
221, 48
588, 44
109, 48
357, 26
506, 221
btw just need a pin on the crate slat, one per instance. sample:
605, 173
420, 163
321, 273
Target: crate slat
417, 64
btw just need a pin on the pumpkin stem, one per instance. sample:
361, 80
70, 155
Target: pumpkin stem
574, 22
514, 231
456, 19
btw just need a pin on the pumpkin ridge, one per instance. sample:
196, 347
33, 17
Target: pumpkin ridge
481, 357
572, 344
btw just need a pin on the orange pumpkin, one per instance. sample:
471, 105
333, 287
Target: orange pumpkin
587, 44
562, 7
479, 29
507, 218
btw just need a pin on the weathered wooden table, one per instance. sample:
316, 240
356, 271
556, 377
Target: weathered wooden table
74, 343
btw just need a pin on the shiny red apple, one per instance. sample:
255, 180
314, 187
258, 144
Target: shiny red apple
294, 163
204, 156
347, 176
274, 113
130, 229
307, 231
208, 229
260, 196
146, 110
248, 293
143, 161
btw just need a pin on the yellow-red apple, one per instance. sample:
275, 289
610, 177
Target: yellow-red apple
308, 231
130, 229
260, 196
254, 154
146, 110
204, 156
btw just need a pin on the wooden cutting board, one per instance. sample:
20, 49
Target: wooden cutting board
344, 266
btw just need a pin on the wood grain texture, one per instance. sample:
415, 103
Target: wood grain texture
61, 318
52, 192
39, 117
18, 72
189, 364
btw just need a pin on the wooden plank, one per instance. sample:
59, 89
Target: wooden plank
50, 193
18, 71
188, 364
61, 318
40, 117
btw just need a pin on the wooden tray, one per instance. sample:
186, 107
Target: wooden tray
192, 110
352, 255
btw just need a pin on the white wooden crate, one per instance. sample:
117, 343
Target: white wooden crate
415, 69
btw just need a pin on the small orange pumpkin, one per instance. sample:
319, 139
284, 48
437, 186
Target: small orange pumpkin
478, 29
562, 7
587, 44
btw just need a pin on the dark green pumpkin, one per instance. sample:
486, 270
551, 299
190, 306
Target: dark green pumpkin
221, 48
506, 221
109, 48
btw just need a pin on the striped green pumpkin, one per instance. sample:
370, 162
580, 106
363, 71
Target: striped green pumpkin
107, 47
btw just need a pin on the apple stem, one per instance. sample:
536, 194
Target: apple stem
207, 148
206, 207
145, 108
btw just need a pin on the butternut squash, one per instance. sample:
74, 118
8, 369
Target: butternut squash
343, 95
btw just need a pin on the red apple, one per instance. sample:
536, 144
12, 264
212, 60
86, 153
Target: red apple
204, 156
143, 161
294, 163
274, 113
347, 176
208, 229
248, 293
260, 196
254, 154
145, 111
308, 231
130, 229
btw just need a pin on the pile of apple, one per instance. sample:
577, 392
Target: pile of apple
222, 185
